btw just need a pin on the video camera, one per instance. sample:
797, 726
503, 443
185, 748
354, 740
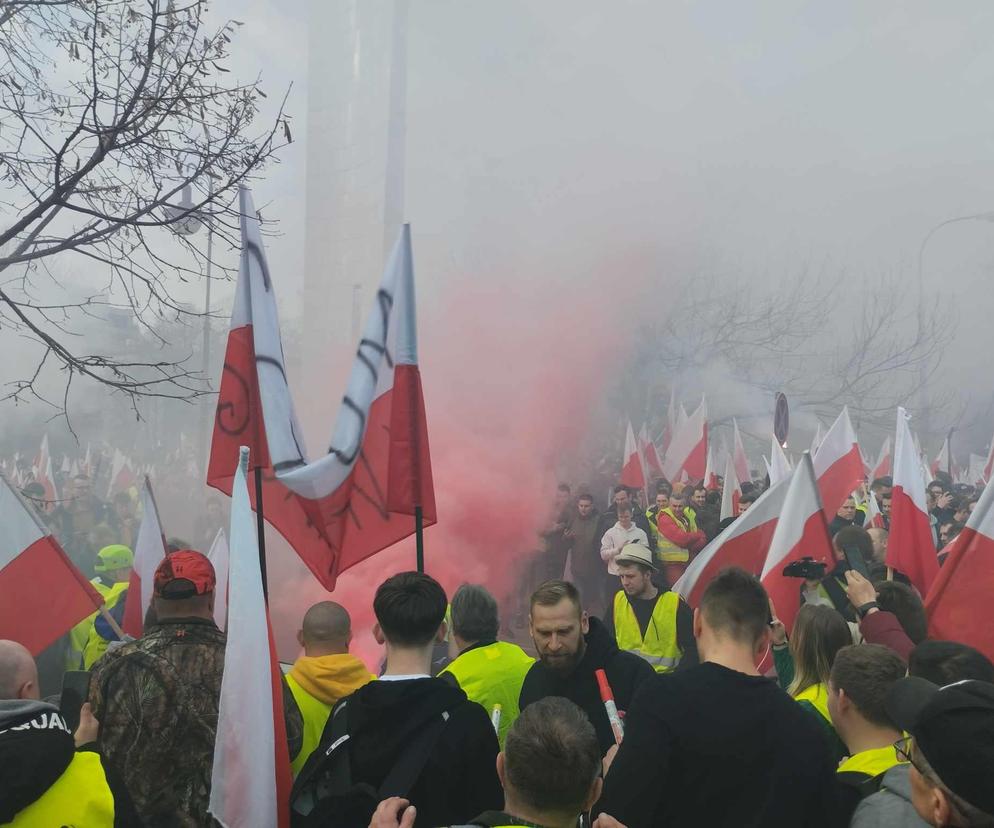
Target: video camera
807, 568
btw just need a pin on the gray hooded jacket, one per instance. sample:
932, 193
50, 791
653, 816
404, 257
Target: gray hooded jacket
890, 807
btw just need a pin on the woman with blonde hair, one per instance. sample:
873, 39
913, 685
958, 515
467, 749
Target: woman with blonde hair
804, 664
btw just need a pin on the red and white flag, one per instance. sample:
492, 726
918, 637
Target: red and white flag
687, 452
44, 474
779, 464
632, 473
250, 780
653, 466
743, 543
941, 461
874, 518
800, 532
816, 440
958, 603
975, 473
122, 475
910, 546
43, 593
711, 471
150, 549
360, 495
219, 557
882, 467
989, 465
731, 491
838, 464
739, 455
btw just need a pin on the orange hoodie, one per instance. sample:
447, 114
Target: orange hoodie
331, 677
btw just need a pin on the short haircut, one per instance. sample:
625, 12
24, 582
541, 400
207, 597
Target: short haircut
938, 483
552, 592
564, 487
410, 607
736, 605
748, 497
887, 496
946, 662
625, 507
900, 599
866, 673
620, 489
857, 536
552, 756
700, 487
474, 614
747, 487
663, 487
641, 567
586, 496
326, 621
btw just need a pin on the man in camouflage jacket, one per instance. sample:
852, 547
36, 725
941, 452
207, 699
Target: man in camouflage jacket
157, 699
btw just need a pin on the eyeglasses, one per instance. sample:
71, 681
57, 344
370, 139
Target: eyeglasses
903, 749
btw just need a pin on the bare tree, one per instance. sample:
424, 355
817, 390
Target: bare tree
118, 127
823, 345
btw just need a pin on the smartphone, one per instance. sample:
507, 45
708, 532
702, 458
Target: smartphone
75, 691
856, 561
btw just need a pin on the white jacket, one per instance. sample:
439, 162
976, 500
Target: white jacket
615, 539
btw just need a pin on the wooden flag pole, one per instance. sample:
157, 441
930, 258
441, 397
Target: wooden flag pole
890, 573
419, 532
261, 530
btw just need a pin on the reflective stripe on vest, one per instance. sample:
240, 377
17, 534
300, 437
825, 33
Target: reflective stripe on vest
493, 675
659, 647
80, 797
315, 714
666, 549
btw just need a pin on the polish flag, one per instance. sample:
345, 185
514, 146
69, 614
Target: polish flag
711, 471
989, 465
360, 495
681, 418
941, 462
688, 450
743, 543
653, 465
219, 557
44, 475
731, 491
779, 464
801, 531
874, 518
150, 549
958, 602
632, 473
44, 594
122, 476
670, 429
739, 455
250, 779
910, 546
816, 440
975, 474
838, 464
882, 467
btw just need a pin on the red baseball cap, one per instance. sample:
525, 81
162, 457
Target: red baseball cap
183, 574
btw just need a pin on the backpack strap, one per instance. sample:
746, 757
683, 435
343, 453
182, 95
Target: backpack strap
406, 770
326, 771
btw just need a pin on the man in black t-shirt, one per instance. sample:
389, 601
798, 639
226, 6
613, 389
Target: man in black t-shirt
718, 744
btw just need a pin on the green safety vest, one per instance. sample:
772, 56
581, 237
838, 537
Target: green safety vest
80, 798
665, 548
492, 675
659, 647
315, 714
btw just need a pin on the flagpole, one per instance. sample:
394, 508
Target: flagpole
261, 529
419, 532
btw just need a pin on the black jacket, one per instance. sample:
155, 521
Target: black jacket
714, 747
459, 779
625, 672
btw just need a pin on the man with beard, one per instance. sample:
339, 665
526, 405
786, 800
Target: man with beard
571, 646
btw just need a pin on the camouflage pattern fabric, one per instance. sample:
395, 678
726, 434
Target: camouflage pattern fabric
157, 702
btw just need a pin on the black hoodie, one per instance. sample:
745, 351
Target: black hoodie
625, 672
459, 779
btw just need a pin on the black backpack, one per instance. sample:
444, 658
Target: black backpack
324, 793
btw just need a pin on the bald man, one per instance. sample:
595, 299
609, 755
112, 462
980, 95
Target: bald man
44, 779
325, 673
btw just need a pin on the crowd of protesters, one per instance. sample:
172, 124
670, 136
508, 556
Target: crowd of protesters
621, 706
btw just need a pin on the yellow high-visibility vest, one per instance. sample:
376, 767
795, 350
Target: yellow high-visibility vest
80, 797
96, 644
315, 714
659, 646
871, 762
665, 548
493, 675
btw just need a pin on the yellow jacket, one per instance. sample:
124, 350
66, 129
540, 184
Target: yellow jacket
80, 798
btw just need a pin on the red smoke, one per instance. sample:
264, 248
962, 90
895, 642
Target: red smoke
510, 395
